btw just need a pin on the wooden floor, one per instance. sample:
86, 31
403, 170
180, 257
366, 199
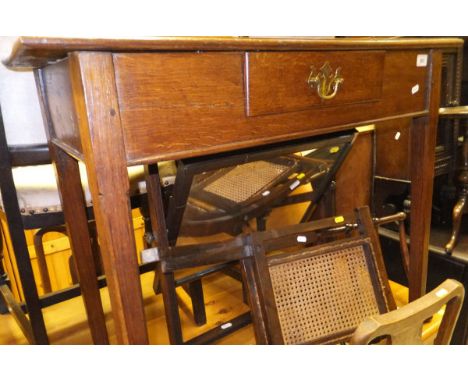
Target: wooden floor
66, 322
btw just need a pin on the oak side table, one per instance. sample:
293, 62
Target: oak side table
117, 103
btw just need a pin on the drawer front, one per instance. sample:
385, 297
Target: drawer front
175, 105
284, 82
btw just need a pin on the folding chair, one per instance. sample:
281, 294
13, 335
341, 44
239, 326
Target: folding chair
222, 193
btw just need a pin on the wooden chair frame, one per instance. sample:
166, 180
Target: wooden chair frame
250, 249
189, 168
166, 230
404, 326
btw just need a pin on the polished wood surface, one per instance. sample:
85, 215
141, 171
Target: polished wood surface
201, 97
356, 170
68, 175
137, 103
393, 145
422, 160
276, 82
40, 51
103, 146
56, 83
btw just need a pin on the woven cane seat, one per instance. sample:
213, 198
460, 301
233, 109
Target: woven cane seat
323, 295
315, 282
237, 185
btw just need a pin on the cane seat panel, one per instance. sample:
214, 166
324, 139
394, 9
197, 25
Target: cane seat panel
322, 294
240, 183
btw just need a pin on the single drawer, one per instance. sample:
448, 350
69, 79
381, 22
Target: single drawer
283, 82
175, 105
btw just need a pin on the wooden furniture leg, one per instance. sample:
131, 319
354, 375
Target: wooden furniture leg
461, 206
97, 108
74, 209
195, 291
457, 215
422, 157
165, 280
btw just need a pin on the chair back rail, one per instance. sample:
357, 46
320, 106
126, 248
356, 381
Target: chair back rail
404, 326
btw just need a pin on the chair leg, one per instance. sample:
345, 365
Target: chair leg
456, 221
195, 291
171, 307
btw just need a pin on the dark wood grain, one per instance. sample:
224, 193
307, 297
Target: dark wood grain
68, 176
95, 100
354, 178
63, 121
277, 82
201, 97
393, 143
422, 158
136, 102
40, 51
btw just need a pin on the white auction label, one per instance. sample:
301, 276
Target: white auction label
301, 239
421, 60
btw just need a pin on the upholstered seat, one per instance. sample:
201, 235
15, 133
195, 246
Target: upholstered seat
37, 190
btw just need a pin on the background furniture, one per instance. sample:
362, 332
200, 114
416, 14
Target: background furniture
316, 282
403, 326
307, 293
391, 195
224, 193
121, 95
458, 113
393, 159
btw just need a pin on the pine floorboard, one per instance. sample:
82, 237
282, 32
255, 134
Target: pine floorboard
66, 322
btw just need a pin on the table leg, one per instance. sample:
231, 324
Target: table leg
423, 138
97, 108
74, 209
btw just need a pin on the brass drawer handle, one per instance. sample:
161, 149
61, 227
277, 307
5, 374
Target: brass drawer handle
325, 80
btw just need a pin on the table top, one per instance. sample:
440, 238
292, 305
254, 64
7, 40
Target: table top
40, 51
